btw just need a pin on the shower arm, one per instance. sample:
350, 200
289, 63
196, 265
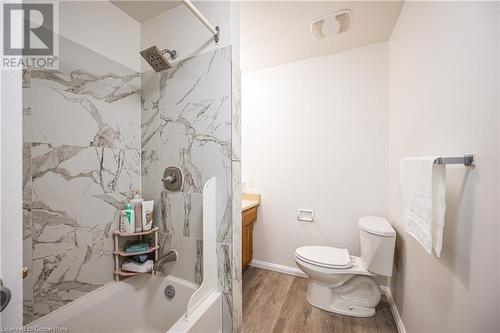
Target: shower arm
172, 53
214, 30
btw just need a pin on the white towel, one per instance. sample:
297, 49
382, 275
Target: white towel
423, 188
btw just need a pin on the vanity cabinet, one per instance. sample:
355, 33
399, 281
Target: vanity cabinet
248, 218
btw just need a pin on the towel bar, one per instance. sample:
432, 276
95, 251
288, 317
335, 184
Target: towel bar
467, 160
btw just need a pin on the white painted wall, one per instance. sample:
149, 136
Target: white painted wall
11, 193
443, 99
314, 135
179, 29
102, 27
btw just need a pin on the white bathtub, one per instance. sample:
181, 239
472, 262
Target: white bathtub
137, 304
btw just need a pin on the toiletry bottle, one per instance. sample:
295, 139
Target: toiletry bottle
147, 215
137, 204
127, 219
123, 221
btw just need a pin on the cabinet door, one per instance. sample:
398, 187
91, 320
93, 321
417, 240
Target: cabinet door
248, 218
246, 237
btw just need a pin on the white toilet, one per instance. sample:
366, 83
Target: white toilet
345, 284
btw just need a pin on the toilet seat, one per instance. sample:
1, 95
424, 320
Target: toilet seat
325, 256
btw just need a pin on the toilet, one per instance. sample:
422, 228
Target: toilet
345, 284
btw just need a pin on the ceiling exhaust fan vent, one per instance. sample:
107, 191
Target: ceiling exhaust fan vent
331, 24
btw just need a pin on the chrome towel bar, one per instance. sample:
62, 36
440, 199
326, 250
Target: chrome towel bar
467, 160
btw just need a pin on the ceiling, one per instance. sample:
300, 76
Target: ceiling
144, 10
278, 32
274, 33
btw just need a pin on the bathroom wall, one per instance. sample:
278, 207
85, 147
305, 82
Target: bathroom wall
315, 136
81, 159
179, 29
190, 129
111, 33
11, 182
82, 153
190, 118
443, 99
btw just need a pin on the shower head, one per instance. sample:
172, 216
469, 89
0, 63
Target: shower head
156, 58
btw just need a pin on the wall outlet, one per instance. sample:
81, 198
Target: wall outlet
305, 215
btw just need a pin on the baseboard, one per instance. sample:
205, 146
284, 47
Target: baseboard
278, 268
395, 313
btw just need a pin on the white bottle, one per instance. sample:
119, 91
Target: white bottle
147, 215
137, 203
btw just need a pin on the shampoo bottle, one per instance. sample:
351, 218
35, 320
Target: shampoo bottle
137, 204
147, 215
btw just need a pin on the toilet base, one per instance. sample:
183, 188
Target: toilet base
357, 297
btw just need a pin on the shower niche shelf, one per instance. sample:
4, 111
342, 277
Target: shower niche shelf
125, 254
126, 234
120, 255
119, 273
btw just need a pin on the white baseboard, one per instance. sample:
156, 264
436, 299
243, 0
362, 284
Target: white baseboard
395, 313
278, 268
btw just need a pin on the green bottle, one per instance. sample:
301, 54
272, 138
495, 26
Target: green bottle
127, 220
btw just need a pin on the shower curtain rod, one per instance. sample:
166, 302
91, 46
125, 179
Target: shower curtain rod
214, 30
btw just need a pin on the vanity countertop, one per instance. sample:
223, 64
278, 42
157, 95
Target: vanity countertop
249, 200
247, 204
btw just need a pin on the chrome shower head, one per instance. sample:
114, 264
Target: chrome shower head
156, 58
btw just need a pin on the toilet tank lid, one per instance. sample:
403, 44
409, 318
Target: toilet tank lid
377, 225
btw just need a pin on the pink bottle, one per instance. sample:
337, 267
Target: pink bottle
137, 203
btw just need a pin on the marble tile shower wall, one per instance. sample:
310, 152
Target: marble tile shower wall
81, 159
236, 271
187, 122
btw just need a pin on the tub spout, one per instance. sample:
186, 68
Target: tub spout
169, 257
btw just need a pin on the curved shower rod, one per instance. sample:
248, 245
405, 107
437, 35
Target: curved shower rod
214, 30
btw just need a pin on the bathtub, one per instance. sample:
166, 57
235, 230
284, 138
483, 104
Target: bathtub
139, 305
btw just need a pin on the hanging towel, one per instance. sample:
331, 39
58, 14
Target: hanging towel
423, 189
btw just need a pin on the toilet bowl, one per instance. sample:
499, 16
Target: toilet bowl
345, 284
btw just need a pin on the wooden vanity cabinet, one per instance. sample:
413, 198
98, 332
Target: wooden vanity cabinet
248, 218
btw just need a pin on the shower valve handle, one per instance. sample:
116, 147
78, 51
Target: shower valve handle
172, 178
169, 179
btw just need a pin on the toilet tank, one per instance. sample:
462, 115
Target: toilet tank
377, 240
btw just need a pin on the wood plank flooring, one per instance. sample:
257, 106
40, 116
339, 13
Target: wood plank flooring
274, 302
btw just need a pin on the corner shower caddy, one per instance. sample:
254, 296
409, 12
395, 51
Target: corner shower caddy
119, 253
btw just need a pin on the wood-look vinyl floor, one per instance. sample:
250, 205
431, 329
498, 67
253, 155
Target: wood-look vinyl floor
274, 302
